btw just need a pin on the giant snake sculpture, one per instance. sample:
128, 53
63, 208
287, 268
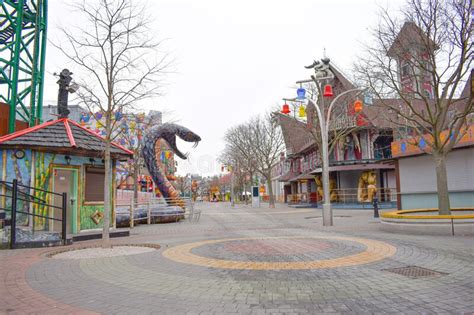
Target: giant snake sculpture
152, 150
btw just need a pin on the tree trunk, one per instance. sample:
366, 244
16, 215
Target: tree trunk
136, 167
271, 200
442, 184
107, 197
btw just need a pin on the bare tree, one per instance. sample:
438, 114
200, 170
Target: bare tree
260, 142
242, 168
416, 68
120, 66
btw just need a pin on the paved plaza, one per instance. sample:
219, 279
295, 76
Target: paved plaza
250, 261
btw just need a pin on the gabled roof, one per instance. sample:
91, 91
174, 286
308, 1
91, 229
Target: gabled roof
410, 36
345, 83
295, 134
60, 135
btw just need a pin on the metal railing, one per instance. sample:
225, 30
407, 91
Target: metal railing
158, 210
344, 196
18, 199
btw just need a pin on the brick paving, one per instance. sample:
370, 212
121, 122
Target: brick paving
158, 283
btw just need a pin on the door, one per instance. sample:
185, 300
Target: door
65, 181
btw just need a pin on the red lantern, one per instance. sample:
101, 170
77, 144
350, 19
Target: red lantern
328, 91
286, 109
358, 106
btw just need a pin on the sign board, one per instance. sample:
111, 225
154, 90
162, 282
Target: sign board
255, 197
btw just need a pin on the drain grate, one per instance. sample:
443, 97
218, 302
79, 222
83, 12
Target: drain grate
415, 272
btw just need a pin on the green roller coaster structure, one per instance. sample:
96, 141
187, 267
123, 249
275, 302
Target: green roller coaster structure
23, 26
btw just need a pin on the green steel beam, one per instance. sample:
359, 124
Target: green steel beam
23, 25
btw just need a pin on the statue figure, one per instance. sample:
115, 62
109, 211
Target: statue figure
63, 82
333, 195
367, 187
351, 147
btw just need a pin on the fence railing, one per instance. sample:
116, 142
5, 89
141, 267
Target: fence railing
158, 210
32, 205
344, 196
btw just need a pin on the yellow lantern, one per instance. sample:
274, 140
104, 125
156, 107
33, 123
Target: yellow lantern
302, 112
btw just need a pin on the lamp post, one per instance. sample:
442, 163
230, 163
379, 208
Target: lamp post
324, 119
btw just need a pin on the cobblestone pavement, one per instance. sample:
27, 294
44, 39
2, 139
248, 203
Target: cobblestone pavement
250, 261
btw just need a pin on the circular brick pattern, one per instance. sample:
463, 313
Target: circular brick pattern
99, 252
374, 251
276, 246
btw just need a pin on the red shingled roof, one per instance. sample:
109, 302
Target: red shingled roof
63, 134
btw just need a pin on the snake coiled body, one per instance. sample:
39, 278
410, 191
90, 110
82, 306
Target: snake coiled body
151, 153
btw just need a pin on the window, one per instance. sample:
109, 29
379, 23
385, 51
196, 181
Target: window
94, 186
405, 70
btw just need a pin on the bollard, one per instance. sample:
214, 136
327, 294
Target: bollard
148, 219
131, 214
375, 203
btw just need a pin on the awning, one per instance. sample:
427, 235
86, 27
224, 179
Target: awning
305, 176
287, 177
356, 167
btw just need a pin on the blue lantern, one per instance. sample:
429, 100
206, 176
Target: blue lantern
368, 100
301, 93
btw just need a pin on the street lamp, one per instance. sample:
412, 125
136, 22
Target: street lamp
322, 74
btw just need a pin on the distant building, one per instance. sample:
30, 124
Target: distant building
50, 112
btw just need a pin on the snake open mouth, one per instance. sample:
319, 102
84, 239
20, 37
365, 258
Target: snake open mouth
184, 134
166, 132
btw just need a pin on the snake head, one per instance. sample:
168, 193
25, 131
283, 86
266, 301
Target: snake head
169, 131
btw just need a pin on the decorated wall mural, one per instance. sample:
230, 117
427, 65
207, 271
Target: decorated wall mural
129, 133
35, 169
16, 164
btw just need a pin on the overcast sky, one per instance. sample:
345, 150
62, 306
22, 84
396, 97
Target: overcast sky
236, 58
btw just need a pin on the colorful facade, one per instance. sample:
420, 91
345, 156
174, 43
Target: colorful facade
58, 156
360, 159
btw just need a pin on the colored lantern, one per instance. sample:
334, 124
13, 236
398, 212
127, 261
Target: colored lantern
358, 106
368, 99
302, 112
168, 154
300, 93
328, 91
286, 109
